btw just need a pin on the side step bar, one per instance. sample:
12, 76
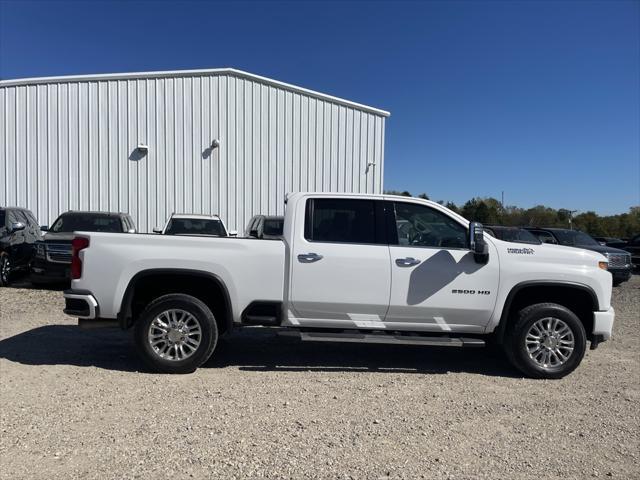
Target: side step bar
356, 337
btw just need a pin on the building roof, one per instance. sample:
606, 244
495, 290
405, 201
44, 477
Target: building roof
193, 73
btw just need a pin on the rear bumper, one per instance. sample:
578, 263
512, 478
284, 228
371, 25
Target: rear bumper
80, 304
603, 323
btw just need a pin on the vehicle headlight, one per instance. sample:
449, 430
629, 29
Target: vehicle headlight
603, 265
41, 251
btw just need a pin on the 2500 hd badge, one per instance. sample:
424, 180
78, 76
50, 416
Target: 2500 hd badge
472, 292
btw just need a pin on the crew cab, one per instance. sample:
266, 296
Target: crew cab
349, 268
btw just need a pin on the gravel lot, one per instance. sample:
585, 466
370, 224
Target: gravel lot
79, 404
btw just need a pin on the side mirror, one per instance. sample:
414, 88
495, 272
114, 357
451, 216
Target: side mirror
17, 226
477, 244
233, 233
157, 230
44, 228
253, 233
131, 230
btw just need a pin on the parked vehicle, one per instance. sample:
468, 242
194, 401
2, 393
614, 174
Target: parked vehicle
619, 261
193, 224
265, 226
19, 231
52, 260
512, 234
345, 273
611, 241
633, 247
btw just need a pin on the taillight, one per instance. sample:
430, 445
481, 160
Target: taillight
77, 244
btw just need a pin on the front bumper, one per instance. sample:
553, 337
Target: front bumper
603, 324
44, 271
81, 304
621, 274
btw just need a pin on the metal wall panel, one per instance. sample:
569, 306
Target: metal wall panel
70, 144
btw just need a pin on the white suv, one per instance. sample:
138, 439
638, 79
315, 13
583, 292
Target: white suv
193, 224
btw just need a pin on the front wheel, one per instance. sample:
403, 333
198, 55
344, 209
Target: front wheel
547, 341
176, 333
5, 269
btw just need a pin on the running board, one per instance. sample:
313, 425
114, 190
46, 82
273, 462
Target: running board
355, 337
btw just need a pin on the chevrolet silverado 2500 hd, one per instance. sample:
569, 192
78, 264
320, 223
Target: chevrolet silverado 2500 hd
349, 268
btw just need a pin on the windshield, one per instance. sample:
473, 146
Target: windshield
572, 237
87, 222
195, 226
273, 226
516, 235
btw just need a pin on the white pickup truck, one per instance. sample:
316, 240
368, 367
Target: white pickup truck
350, 268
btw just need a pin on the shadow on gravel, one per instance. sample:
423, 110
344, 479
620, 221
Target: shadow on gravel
259, 350
252, 349
68, 345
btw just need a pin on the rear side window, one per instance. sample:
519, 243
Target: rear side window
341, 221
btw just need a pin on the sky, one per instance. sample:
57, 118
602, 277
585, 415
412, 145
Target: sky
539, 100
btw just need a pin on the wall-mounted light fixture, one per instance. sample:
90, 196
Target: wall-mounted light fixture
142, 148
215, 143
369, 166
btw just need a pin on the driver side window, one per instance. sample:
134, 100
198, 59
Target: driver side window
422, 226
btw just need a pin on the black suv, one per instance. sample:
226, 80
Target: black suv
52, 261
512, 234
19, 231
619, 260
633, 247
265, 226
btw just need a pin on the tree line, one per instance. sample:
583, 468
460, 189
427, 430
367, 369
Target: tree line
489, 211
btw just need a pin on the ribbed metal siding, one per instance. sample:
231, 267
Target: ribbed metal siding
71, 146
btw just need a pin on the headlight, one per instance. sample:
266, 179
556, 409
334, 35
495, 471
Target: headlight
41, 251
603, 265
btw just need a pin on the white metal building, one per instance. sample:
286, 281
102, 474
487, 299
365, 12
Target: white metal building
71, 143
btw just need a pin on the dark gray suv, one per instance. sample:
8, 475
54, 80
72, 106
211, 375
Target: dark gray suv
52, 261
19, 231
619, 260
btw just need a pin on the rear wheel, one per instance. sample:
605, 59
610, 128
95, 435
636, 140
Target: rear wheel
5, 269
547, 341
176, 333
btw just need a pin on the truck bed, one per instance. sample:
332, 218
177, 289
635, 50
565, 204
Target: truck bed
250, 268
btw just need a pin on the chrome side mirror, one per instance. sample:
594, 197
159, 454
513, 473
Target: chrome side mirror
477, 243
17, 226
131, 230
233, 233
157, 230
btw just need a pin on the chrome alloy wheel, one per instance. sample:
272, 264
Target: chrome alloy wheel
550, 342
175, 334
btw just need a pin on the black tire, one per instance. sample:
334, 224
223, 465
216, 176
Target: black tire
516, 347
5, 269
187, 303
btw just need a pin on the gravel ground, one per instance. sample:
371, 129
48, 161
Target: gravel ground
79, 404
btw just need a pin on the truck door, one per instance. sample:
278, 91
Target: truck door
436, 283
340, 271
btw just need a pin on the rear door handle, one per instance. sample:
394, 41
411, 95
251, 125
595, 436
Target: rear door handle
407, 262
309, 257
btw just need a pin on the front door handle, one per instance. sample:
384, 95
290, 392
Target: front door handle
309, 257
407, 262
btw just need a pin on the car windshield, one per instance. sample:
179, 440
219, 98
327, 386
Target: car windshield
87, 222
273, 226
516, 235
572, 237
195, 226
